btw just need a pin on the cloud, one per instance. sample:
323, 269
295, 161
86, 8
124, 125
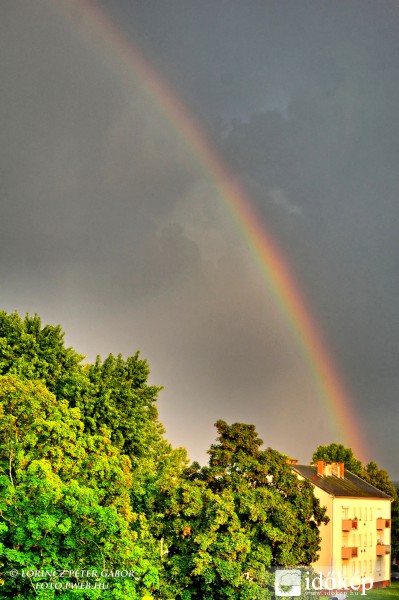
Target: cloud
110, 226
279, 198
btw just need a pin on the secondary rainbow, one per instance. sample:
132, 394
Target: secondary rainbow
119, 52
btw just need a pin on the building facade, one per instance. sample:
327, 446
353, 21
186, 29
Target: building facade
357, 540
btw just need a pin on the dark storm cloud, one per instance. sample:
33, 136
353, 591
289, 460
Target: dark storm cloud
326, 156
334, 157
68, 187
334, 154
110, 227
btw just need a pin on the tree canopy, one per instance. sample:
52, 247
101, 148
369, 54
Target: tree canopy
114, 392
34, 352
64, 497
226, 523
339, 453
89, 482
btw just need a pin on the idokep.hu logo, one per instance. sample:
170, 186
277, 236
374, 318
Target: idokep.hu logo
294, 582
287, 582
335, 581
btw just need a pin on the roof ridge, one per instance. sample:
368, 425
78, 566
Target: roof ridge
348, 486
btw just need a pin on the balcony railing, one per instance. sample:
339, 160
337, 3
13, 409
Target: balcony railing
383, 524
348, 552
383, 549
349, 524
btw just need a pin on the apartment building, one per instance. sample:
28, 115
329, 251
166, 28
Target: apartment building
357, 540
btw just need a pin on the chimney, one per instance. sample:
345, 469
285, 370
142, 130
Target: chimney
320, 467
342, 470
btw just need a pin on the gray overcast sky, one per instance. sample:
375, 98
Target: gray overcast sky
110, 227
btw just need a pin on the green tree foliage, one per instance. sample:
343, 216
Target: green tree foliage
89, 481
121, 399
339, 453
113, 393
227, 522
379, 478
64, 498
34, 352
116, 405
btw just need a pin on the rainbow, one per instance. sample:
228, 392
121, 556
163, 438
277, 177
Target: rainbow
96, 27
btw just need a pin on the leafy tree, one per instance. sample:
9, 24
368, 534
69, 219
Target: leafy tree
227, 522
339, 453
34, 352
64, 498
379, 478
122, 400
70, 498
113, 393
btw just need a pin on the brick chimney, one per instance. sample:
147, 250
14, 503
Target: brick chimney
328, 469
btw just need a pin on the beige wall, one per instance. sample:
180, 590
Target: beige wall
326, 532
364, 538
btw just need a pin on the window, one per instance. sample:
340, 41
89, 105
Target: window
378, 565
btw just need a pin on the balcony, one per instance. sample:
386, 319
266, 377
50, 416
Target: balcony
383, 524
348, 552
383, 549
349, 524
